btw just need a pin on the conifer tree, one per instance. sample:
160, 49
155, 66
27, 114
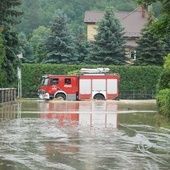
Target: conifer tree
26, 49
108, 47
60, 44
8, 17
151, 48
2, 56
166, 40
82, 46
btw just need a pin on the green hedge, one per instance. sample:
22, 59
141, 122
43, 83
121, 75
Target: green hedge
132, 78
163, 102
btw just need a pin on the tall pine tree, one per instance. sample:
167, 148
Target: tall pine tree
26, 49
108, 47
82, 46
60, 44
8, 17
151, 48
2, 56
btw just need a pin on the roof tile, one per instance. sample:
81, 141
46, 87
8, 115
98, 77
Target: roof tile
132, 22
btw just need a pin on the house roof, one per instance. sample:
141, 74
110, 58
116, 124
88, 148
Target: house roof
132, 22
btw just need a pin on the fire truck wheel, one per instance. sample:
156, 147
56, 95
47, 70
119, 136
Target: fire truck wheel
99, 97
60, 97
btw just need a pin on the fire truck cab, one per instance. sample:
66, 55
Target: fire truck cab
59, 87
90, 84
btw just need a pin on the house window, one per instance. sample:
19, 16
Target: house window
67, 81
133, 55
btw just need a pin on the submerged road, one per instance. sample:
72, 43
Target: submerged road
89, 135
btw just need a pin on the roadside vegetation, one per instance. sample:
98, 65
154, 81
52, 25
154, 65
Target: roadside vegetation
163, 95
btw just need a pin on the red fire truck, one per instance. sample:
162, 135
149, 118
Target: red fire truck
96, 84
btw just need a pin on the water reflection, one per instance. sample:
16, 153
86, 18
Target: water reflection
8, 112
97, 113
85, 135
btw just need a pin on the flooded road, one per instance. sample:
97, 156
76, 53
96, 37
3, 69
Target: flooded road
86, 135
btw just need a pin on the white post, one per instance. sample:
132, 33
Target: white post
19, 79
19, 84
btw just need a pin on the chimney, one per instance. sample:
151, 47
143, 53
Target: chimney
143, 9
143, 12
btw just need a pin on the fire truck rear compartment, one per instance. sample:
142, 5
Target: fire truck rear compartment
97, 88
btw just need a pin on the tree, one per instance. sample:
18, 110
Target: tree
60, 44
8, 17
162, 26
166, 40
163, 93
167, 61
37, 40
108, 47
150, 49
26, 49
82, 46
2, 56
39, 12
34, 16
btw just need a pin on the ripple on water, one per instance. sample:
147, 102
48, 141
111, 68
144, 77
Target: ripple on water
41, 143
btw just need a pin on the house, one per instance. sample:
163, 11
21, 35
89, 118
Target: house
132, 22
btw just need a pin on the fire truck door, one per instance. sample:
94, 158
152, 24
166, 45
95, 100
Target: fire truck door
70, 88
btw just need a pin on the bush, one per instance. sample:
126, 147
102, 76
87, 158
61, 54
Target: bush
163, 102
164, 81
143, 78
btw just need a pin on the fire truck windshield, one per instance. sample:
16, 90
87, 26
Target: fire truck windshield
44, 81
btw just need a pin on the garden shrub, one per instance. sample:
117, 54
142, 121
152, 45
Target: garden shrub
164, 81
163, 94
163, 102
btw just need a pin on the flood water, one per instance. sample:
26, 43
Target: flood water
86, 135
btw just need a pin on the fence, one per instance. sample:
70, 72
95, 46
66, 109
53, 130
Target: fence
124, 94
7, 95
137, 94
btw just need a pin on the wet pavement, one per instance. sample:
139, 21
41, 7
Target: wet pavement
86, 135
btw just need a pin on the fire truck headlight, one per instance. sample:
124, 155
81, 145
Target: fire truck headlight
46, 96
41, 92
